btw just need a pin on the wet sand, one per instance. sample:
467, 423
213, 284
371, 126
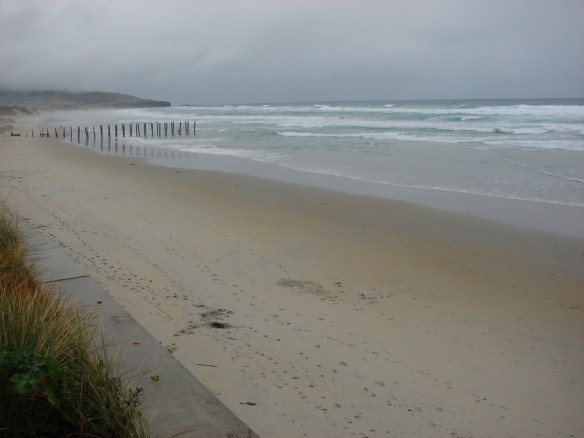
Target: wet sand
444, 324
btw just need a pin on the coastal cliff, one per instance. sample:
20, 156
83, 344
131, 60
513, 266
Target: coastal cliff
63, 100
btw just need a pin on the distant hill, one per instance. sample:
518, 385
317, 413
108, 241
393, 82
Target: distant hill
64, 100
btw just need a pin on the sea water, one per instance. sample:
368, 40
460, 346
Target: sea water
517, 149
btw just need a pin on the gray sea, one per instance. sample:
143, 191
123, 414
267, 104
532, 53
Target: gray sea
517, 149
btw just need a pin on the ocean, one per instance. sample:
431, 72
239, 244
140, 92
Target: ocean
517, 149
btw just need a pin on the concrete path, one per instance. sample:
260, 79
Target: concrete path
177, 405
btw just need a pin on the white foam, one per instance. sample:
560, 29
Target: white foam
568, 145
539, 111
255, 155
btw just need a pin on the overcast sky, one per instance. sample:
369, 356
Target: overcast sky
243, 51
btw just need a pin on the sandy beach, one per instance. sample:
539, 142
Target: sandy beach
444, 324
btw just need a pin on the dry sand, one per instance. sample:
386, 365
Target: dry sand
444, 324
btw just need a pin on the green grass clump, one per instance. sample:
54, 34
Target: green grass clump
55, 376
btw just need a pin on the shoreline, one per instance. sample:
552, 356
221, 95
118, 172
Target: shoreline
444, 323
543, 216
557, 218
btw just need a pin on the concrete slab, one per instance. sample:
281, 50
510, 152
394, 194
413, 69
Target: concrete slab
176, 404
55, 265
51, 260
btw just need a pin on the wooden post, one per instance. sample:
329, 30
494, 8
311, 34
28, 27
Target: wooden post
116, 127
78, 133
101, 131
32, 133
109, 133
123, 130
71, 132
86, 132
64, 133
151, 129
56, 133
94, 132
195, 127
130, 129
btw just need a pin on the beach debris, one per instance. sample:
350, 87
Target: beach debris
206, 365
211, 318
135, 342
189, 329
155, 377
339, 282
364, 295
99, 302
248, 403
303, 286
215, 313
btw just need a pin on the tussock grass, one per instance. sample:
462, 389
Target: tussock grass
14, 268
56, 378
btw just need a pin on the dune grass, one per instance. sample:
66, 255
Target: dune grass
56, 378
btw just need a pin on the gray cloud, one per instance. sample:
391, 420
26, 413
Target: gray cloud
210, 51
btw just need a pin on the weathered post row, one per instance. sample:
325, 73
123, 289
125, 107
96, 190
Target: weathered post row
162, 129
